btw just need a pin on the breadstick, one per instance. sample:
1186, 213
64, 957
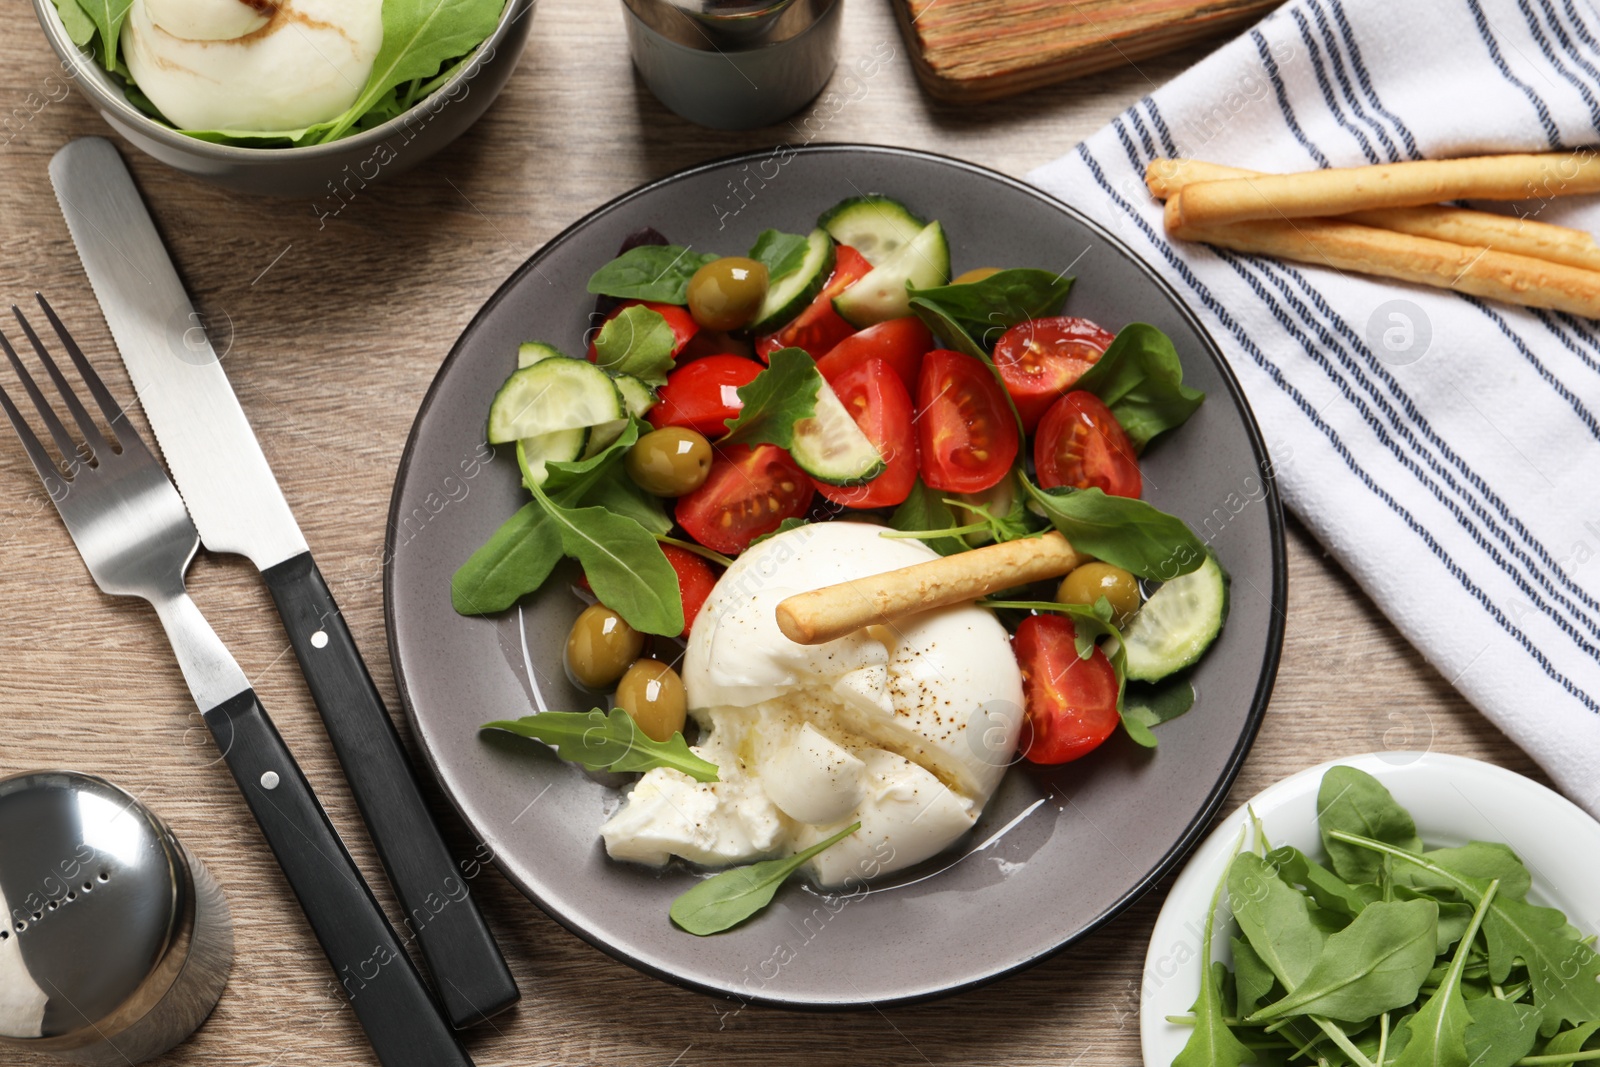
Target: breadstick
1340, 191
1348, 246
1541, 240
824, 614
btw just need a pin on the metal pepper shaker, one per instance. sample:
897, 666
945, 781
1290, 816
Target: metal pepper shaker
115, 943
734, 64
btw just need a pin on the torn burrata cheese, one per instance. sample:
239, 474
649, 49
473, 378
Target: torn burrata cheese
905, 728
251, 65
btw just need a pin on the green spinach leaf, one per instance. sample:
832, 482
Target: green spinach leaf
514, 562
658, 273
108, 17
972, 316
1122, 531
1374, 965
636, 341
725, 900
419, 37
781, 253
1353, 801
775, 400
624, 564
79, 26
1141, 381
602, 742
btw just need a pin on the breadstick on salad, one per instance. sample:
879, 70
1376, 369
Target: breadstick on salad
824, 614
1341, 190
1348, 246
1525, 237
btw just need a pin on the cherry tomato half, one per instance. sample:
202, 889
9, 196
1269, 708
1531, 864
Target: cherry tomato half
871, 392
1081, 444
683, 325
704, 394
695, 580
1071, 701
818, 328
1040, 360
749, 492
901, 343
964, 426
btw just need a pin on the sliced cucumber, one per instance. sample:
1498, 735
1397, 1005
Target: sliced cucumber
637, 397
551, 395
560, 446
790, 294
924, 261
531, 352
875, 226
601, 436
1178, 623
831, 448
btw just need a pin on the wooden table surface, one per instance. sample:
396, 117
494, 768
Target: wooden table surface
336, 332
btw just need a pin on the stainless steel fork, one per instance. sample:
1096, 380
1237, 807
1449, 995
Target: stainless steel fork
136, 537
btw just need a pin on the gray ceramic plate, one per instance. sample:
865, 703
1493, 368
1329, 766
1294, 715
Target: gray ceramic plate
1057, 852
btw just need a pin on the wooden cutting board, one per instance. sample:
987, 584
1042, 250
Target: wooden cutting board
971, 50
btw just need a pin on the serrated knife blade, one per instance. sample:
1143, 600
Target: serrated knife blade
202, 431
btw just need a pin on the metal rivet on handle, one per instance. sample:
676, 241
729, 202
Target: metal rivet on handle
319, 639
269, 780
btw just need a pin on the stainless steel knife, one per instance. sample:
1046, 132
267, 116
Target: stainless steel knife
238, 507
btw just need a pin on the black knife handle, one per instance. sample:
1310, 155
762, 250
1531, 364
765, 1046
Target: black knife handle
469, 972
390, 1000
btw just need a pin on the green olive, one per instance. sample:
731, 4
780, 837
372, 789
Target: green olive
652, 693
976, 274
1094, 580
671, 461
726, 293
600, 647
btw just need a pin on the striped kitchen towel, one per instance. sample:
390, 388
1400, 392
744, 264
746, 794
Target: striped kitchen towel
1445, 449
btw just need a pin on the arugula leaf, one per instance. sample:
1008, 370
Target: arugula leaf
514, 562
637, 341
1374, 965
1323, 886
1477, 859
1253, 980
924, 512
1569, 1041
781, 253
725, 900
1147, 704
1436, 1034
1275, 919
972, 316
1501, 1032
1563, 969
108, 17
618, 494
79, 26
625, 566
658, 273
602, 742
785, 526
419, 37
775, 400
1141, 381
1122, 531
1354, 801
1212, 1044
568, 481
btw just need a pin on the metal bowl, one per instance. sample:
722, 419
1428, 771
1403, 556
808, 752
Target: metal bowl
336, 168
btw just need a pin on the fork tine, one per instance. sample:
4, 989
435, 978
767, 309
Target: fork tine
108, 403
63, 440
42, 463
91, 433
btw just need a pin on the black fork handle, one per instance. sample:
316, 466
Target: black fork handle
468, 970
390, 999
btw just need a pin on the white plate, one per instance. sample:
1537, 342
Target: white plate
1453, 799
